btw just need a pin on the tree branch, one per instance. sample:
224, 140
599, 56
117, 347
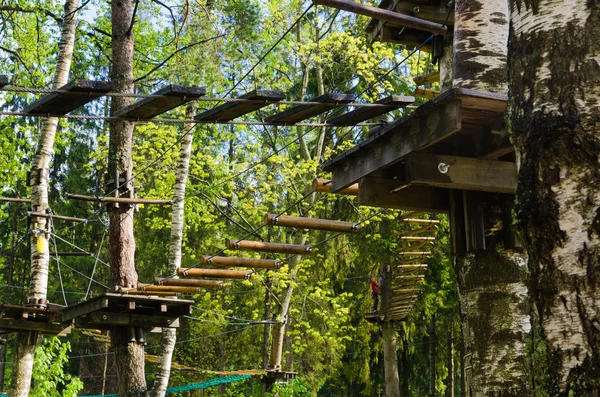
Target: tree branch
31, 11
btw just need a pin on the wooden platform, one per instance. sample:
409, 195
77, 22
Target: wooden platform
41, 318
275, 376
172, 96
80, 93
361, 114
232, 110
112, 309
299, 113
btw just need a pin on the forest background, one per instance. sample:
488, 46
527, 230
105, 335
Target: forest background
237, 173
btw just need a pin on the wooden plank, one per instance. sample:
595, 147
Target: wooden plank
432, 13
82, 308
299, 113
262, 246
188, 283
216, 273
361, 114
231, 110
461, 173
393, 143
14, 325
388, 16
457, 223
324, 186
98, 320
240, 262
425, 93
430, 78
80, 93
14, 200
300, 222
376, 192
172, 96
411, 38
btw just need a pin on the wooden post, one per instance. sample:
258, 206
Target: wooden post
216, 273
324, 186
261, 246
241, 262
311, 223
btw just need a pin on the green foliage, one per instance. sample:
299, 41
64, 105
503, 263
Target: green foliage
49, 376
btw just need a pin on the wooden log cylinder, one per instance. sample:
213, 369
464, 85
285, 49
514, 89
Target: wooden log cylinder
215, 273
324, 186
168, 288
135, 291
188, 283
241, 262
300, 222
261, 246
421, 221
124, 200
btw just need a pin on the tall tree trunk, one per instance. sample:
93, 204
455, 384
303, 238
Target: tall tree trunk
169, 335
450, 380
431, 356
129, 351
553, 113
390, 360
26, 341
491, 281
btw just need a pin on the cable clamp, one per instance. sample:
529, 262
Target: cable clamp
275, 219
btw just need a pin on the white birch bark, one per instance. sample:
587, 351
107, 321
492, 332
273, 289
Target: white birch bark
38, 286
554, 69
169, 335
390, 358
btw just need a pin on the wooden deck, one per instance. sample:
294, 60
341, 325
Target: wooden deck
44, 318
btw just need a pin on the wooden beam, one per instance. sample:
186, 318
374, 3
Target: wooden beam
421, 221
118, 199
79, 93
430, 78
377, 192
299, 113
300, 222
177, 282
134, 291
172, 96
410, 38
14, 200
241, 262
463, 173
390, 17
417, 238
324, 186
392, 143
56, 217
361, 114
216, 273
71, 254
165, 288
261, 246
425, 93
231, 110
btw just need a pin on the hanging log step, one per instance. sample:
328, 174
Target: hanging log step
79, 93
298, 113
361, 114
420, 230
241, 262
231, 110
216, 273
417, 238
299, 222
418, 277
14, 200
188, 283
392, 18
172, 96
425, 93
168, 288
324, 186
261, 246
430, 78
123, 200
421, 221
135, 291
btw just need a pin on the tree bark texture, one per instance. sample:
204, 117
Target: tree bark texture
451, 373
38, 285
169, 335
554, 86
494, 312
445, 63
129, 352
480, 37
390, 360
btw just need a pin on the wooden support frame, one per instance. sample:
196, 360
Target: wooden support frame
300, 222
362, 114
240, 262
299, 113
177, 282
277, 248
79, 93
425, 93
377, 192
172, 96
464, 173
324, 186
122, 200
231, 110
391, 17
429, 78
215, 273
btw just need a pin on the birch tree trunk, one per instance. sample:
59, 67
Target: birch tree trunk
554, 76
169, 335
129, 352
390, 360
38, 285
492, 282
